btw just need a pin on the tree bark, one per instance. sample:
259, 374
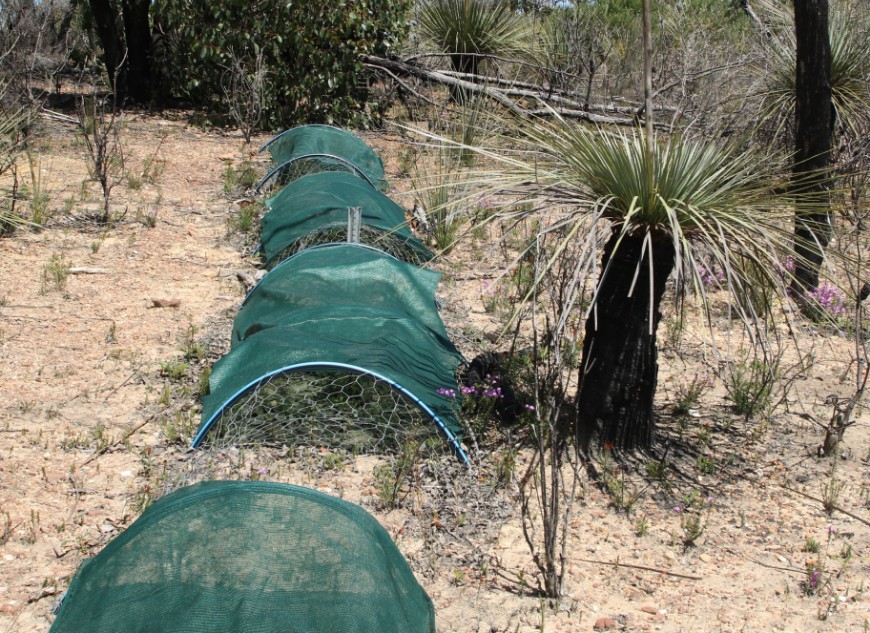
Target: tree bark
814, 127
137, 33
127, 53
619, 364
106, 23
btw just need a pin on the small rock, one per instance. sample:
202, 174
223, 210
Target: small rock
9, 607
604, 623
705, 558
648, 608
165, 303
126, 473
106, 528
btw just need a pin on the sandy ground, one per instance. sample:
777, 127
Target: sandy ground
91, 429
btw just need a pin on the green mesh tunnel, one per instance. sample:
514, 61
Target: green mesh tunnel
308, 149
248, 557
313, 210
339, 346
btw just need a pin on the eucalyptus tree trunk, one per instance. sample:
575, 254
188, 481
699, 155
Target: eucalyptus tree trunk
137, 34
127, 51
619, 367
814, 127
106, 25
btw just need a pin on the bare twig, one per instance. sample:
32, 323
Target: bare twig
244, 86
643, 567
791, 570
830, 505
117, 443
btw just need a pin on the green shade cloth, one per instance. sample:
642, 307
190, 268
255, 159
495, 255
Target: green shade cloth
320, 201
248, 557
324, 142
388, 345
341, 275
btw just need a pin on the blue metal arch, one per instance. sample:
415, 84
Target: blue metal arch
454, 443
356, 170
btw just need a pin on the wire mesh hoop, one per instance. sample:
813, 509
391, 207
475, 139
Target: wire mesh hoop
334, 409
391, 243
296, 168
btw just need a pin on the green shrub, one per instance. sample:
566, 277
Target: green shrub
310, 52
750, 386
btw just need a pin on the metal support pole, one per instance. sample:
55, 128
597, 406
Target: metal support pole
354, 219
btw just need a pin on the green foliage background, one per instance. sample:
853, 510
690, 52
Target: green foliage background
310, 51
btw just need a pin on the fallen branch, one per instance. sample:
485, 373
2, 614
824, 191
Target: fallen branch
505, 92
404, 85
585, 116
165, 303
114, 390
45, 592
85, 270
411, 70
566, 97
777, 567
51, 114
642, 567
824, 504
119, 442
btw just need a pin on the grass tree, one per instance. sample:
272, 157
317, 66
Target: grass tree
469, 30
13, 119
850, 62
667, 210
817, 53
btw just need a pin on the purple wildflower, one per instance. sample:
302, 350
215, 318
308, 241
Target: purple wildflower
830, 299
711, 274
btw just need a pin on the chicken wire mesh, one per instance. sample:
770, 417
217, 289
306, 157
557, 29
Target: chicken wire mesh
315, 208
327, 145
357, 413
295, 169
394, 244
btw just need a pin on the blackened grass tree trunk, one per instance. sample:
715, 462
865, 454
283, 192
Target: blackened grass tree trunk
619, 364
814, 126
